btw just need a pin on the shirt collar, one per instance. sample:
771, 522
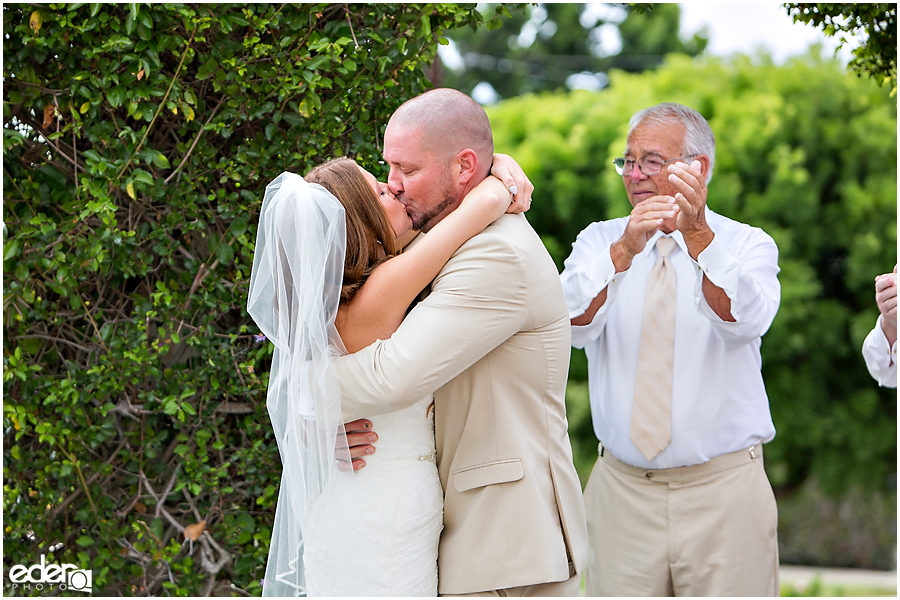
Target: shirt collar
675, 235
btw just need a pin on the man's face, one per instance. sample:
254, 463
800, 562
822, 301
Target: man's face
418, 178
661, 141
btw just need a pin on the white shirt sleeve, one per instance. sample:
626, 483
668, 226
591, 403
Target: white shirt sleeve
587, 272
747, 271
881, 359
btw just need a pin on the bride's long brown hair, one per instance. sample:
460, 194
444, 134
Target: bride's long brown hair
368, 226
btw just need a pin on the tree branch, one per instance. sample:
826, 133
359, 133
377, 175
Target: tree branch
196, 139
162, 103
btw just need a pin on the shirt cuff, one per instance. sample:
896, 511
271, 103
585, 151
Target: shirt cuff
720, 266
722, 269
597, 276
881, 359
881, 341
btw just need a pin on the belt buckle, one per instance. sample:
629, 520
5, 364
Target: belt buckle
752, 452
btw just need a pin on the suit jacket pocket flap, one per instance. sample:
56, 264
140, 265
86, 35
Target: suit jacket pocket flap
501, 471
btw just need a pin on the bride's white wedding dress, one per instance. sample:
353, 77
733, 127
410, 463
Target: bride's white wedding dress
391, 516
373, 532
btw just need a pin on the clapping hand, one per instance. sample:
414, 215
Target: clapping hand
646, 218
886, 298
690, 196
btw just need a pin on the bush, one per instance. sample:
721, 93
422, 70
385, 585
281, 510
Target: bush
137, 142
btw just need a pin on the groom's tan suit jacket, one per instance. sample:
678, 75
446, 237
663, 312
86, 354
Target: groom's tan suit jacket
492, 342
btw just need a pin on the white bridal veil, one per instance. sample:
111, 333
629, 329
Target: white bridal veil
295, 289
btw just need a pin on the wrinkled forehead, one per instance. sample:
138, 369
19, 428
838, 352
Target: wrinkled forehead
655, 139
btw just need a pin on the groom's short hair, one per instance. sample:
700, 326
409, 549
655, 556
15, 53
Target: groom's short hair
450, 122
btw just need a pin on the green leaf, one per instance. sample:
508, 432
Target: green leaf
84, 541
93, 155
239, 225
207, 69
142, 176
314, 63
11, 249
160, 160
225, 253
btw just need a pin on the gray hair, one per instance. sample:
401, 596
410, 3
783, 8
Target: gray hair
698, 135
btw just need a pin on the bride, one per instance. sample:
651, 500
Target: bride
328, 278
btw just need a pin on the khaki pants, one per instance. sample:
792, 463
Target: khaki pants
702, 530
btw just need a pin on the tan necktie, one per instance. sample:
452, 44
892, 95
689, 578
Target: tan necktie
651, 415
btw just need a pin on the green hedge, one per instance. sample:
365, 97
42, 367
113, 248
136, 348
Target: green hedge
804, 151
138, 140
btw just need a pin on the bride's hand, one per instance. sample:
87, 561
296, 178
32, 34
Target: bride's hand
511, 174
519, 206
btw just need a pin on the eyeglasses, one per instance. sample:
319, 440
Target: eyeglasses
649, 165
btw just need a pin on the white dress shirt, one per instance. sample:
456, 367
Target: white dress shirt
881, 358
719, 402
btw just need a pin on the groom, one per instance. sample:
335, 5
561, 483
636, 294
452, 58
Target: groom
491, 341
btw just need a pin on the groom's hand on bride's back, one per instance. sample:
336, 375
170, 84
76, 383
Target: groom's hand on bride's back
360, 439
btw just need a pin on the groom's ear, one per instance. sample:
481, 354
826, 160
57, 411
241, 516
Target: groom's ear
467, 163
